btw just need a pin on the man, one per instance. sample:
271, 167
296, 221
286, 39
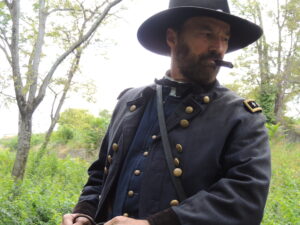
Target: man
219, 146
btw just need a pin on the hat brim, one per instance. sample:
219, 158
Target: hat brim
152, 33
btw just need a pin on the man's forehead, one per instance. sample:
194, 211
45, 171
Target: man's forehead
204, 21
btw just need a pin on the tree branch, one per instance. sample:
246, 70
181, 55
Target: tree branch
85, 37
7, 95
59, 10
4, 38
9, 5
8, 57
71, 73
18, 85
37, 52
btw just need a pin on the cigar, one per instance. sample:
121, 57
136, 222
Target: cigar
224, 63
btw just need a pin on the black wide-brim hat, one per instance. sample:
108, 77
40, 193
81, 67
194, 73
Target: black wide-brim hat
152, 33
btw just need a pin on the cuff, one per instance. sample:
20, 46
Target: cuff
85, 216
165, 217
85, 208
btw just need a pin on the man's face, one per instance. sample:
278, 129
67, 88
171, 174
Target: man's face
200, 41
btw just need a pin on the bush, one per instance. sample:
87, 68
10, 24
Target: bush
80, 129
11, 143
63, 135
45, 194
37, 139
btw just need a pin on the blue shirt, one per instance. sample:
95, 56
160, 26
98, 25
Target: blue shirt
129, 183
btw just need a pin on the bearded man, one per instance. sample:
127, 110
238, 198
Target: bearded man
185, 150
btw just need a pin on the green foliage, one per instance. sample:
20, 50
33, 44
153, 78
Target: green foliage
37, 139
273, 129
266, 98
283, 202
44, 195
64, 134
52, 189
79, 128
4, 14
11, 143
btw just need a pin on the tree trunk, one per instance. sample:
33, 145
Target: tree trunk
279, 104
43, 148
24, 136
48, 135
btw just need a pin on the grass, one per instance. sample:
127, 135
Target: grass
283, 205
53, 188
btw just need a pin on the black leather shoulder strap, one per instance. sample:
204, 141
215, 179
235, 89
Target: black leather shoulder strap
166, 144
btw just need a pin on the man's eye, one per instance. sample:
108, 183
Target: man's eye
205, 34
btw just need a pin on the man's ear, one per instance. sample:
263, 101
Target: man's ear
171, 37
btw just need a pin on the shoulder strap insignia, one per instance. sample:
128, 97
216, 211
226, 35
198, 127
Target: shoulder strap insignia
252, 106
123, 92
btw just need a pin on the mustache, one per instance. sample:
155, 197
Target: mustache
210, 55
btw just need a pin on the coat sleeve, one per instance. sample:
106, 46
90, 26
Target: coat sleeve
89, 198
239, 196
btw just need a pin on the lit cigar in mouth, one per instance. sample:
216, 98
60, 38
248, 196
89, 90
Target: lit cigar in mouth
223, 63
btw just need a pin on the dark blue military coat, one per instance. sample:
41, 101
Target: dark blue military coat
223, 152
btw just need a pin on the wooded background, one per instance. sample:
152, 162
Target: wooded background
42, 48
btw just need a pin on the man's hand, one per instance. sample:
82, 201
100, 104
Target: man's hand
68, 220
123, 220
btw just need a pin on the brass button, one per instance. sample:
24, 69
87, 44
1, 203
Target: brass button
137, 172
132, 108
130, 193
154, 137
177, 172
179, 148
109, 158
174, 202
206, 99
125, 214
145, 153
189, 109
105, 170
176, 161
184, 123
115, 147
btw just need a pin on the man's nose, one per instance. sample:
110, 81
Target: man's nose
218, 44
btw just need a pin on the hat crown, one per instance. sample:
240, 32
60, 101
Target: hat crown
219, 5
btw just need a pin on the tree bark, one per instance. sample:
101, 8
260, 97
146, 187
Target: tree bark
24, 136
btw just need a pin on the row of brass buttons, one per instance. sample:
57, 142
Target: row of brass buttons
188, 109
177, 171
115, 148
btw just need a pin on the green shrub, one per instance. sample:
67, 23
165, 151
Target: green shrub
45, 195
37, 139
64, 134
273, 129
80, 129
11, 143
